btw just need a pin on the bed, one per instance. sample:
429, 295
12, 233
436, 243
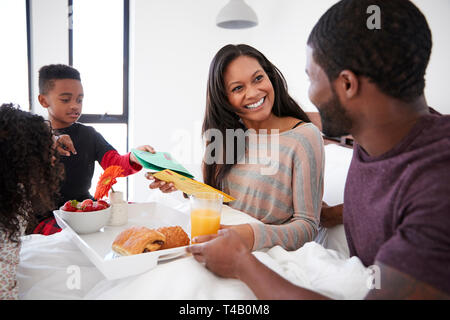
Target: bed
47, 263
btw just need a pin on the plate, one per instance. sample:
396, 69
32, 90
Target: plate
168, 256
97, 246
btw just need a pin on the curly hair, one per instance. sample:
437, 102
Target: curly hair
29, 168
393, 57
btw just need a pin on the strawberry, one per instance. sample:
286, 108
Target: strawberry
70, 205
88, 208
103, 203
86, 203
99, 207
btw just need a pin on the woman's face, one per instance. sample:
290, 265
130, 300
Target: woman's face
249, 90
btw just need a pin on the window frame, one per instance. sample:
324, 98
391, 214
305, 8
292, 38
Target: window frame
110, 118
29, 54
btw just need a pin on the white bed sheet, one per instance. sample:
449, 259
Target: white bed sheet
49, 264
337, 162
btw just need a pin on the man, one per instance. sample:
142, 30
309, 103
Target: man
369, 83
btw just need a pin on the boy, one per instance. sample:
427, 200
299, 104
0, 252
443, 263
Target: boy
61, 93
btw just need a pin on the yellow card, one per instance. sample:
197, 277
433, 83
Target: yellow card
187, 185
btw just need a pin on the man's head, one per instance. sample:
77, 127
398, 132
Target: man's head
393, 58
61, 92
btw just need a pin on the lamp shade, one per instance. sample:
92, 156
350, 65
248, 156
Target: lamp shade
236, 15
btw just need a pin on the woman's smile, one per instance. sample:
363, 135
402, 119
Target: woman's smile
257, 105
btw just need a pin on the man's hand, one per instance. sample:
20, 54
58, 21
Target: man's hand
222, 253
331, 216
226, 255
245, 231
64, 145
147, 148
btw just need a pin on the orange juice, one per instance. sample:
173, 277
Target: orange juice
204, 221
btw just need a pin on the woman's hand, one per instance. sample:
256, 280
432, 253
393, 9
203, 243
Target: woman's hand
159, 184
147, 148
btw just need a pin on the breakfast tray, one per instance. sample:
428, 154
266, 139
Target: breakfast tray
97, 246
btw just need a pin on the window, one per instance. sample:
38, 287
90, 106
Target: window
14, 81
98, 43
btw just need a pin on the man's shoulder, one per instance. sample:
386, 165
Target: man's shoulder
437, 128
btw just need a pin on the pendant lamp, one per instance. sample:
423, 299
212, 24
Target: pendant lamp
236, 15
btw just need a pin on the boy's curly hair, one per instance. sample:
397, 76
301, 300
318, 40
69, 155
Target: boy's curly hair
29, 168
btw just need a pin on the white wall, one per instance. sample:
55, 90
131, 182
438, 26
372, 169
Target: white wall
436, 86
175, 40
174, 43
13, 62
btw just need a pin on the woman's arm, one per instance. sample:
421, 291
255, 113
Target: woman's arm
307, 169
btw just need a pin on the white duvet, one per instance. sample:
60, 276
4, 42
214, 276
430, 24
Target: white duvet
52, 267
50, 264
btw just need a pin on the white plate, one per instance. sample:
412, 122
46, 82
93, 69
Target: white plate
97, 246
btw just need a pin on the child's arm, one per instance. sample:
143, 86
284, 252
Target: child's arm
128, 162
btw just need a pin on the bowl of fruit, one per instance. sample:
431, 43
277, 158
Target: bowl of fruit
87, 216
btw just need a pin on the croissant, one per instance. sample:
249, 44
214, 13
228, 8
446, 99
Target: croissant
136, 240
175, 237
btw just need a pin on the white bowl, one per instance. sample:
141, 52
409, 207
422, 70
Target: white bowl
86, 222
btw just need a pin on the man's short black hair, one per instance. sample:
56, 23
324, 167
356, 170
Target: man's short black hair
49, 73
393, 57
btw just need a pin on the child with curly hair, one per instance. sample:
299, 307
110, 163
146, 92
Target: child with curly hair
31, 175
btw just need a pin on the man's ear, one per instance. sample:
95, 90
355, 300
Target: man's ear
347, 84
43, 101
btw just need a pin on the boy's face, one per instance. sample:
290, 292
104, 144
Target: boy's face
64, 102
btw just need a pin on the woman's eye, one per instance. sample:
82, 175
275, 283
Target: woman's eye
259, 78
236, 89
65, 100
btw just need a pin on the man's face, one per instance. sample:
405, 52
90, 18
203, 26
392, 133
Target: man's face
64, 102
335, 119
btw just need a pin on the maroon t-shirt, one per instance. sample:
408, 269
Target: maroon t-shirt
397, 205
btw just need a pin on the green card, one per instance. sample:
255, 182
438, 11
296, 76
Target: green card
159, 161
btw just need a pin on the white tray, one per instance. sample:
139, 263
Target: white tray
97, 246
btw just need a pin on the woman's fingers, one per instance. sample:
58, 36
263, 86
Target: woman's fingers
164, 186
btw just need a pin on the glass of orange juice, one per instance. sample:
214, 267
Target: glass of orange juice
206, 210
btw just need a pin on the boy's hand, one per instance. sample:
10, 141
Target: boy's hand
64, 145
147, 148
162, 185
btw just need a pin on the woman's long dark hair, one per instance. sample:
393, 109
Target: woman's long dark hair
29, 168
220, 114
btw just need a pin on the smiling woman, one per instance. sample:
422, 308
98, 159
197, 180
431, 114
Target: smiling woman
246, 92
